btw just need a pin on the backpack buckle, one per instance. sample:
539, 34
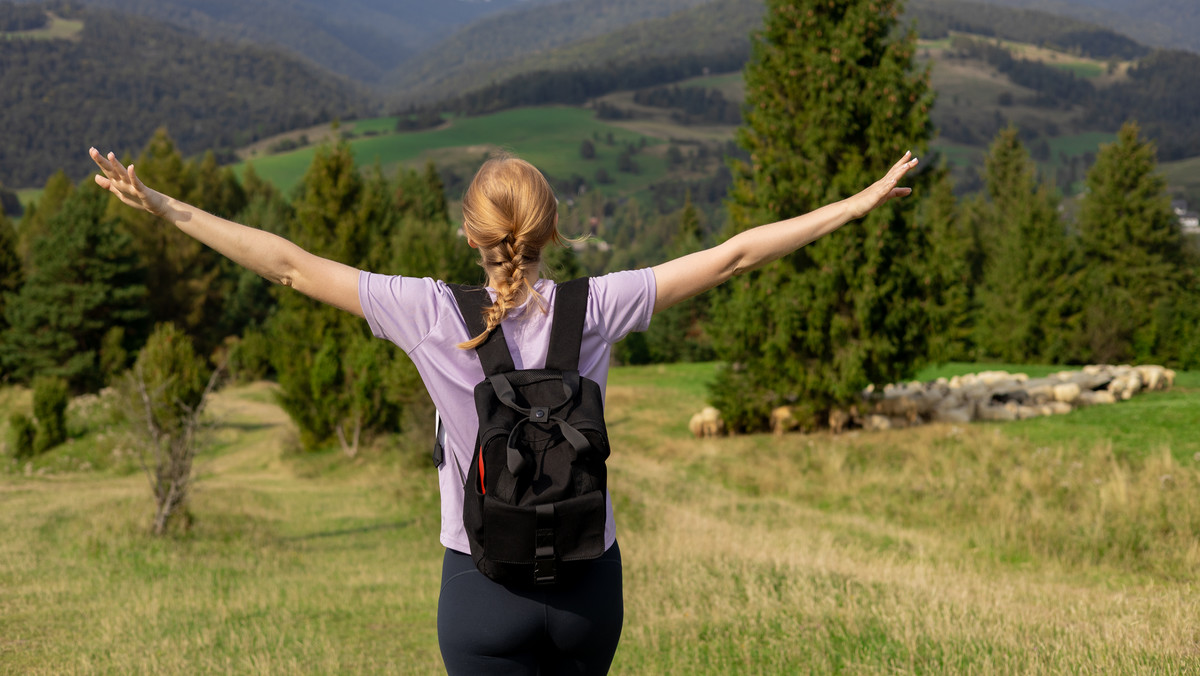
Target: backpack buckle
544, 566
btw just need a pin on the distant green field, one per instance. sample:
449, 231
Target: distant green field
549, 137
1078, 144
378, 125
1084, 70
957, 154
731, 85
1184, 175
29, 196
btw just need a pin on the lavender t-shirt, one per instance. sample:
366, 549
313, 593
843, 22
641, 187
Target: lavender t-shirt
421, 316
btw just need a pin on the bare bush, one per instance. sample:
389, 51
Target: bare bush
166, 393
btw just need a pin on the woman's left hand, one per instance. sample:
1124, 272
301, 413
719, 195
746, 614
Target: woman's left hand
123, 182
884, 189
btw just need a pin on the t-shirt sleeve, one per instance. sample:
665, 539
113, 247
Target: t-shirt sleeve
400, 309
623, 302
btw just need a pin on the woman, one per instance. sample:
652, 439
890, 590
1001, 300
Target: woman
509, 214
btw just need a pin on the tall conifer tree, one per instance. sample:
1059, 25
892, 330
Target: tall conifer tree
1135, 251
832, 101
86, 281
189, 281
36, 222
316, 345
945, 272
678, 334
1028, 305
12, 273
336, 380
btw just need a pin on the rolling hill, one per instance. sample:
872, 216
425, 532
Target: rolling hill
1159, 23
360, 39
471, 56
58, 95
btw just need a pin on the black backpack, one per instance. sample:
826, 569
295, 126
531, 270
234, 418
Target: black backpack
533, 502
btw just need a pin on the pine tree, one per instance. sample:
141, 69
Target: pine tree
188, 280
35, 222
12, 273
315, 342
86, 280
832, 101
946, 272
1028, 308
678, 333
1135, 253
336, 380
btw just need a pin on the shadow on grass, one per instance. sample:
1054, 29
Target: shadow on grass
341, 532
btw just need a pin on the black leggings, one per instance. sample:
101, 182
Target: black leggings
487, 628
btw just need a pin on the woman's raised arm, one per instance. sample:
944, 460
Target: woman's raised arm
680, 279
266, 254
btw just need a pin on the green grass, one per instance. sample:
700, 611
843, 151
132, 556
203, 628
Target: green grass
27, 197
1076, 145
1184, 175
378, 125
56, 29
943, 549
549, 137
1085, 70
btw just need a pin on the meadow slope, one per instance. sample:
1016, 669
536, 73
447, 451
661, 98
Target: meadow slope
968, 549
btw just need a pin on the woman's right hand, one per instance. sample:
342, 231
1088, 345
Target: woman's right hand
124, 183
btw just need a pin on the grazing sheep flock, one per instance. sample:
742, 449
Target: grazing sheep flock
989, 396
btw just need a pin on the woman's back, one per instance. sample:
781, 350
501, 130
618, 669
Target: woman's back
422, 318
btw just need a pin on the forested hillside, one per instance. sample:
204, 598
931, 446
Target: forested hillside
936, 18
1158, 23
361, 39
58, 96
472, 57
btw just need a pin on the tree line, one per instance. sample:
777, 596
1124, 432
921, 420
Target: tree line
86, 279
14, 17
1003, 275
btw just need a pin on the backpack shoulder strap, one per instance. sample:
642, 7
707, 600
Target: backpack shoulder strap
493, 352
566, 334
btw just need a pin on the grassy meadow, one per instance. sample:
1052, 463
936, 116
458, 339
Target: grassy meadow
1064, 545
549, 137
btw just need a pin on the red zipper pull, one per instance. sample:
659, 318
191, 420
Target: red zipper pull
482, 488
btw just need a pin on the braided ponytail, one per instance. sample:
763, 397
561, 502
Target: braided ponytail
510, 212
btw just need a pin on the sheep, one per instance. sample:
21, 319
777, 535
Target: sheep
1095, 397
839, 419
782, 420
707, 423
1067, 393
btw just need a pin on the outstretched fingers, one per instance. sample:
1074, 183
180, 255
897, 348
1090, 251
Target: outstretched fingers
122, 181
895, 174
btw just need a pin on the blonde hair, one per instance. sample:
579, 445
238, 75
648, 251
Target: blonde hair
510, 213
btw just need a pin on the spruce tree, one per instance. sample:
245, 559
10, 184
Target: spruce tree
12, 273
35, 222
86, 280
188, 279
945, 272
832, 102
1135, 251
336, 380
315, 343
678, 333
1028, 308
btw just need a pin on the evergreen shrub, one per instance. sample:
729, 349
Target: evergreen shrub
50, 397
20, 435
